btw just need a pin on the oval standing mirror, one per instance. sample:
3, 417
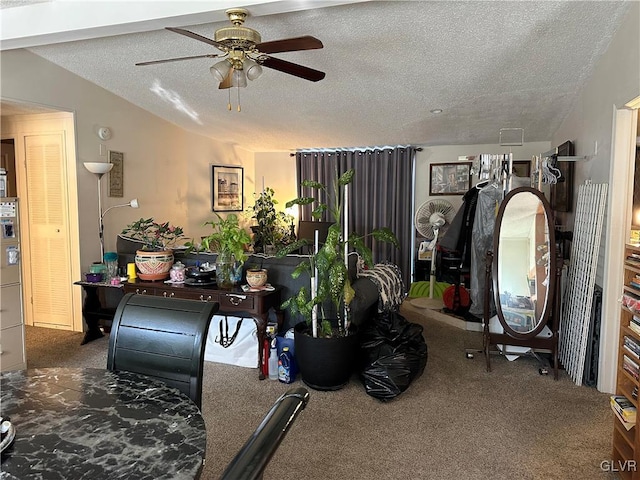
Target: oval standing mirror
524, 262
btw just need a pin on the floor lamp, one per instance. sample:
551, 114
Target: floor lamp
99, 169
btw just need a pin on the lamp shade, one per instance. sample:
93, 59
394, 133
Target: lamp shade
252, 69
134, 203
220, 70
99, 168
239, 79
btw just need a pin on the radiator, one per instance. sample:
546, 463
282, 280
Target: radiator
578, 296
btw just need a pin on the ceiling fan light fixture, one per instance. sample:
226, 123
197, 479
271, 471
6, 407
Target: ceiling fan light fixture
252, 69
238, 78
220, 70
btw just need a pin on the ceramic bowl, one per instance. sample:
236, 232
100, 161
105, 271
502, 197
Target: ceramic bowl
93, 277
256, 277
200, 275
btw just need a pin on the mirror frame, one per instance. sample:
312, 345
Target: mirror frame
548, 307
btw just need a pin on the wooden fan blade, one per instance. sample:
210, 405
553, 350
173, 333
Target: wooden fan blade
292, 68
208, 55
187, 33
290, 45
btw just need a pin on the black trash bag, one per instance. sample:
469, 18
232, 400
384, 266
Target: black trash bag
393, 354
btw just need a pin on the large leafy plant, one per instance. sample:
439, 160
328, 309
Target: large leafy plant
327, 268
228, 237
272, 227
153, 235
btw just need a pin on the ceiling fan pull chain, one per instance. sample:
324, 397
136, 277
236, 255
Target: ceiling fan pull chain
229, 104
238, 90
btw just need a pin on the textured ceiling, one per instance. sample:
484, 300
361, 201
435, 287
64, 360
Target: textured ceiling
486, 64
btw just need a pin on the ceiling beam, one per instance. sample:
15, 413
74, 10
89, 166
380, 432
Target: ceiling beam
60, 21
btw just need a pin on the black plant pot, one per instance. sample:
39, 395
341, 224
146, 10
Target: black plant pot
325, 363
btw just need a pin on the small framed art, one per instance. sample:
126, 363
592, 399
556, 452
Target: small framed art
449, 178
116, 175
227, 188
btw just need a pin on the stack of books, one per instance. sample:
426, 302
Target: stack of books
634, 259
634, 324
624, 410
632, 347
630, 366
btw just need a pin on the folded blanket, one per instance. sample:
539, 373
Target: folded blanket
388, 278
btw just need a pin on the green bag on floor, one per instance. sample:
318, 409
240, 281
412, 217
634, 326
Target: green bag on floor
421, 289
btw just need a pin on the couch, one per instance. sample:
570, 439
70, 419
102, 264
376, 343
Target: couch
363, 307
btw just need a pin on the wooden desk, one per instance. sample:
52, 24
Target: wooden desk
77, 423
92, 309
255, 305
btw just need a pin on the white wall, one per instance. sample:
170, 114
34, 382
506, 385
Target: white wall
450, 154
165, 167
616, 80
278, 171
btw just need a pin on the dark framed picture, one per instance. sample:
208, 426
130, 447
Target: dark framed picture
561, 198
116, 180
522, 168
227, 188
449, 178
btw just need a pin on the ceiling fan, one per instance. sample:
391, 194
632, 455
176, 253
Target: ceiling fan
244, 54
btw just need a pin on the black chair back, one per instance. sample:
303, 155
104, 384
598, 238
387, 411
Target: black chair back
162, 338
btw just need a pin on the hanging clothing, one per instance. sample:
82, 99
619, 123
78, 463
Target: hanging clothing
458, 235
489, 199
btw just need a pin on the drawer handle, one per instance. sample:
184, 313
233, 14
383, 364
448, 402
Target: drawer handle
236, 299
143, 292
171, 295
208, 299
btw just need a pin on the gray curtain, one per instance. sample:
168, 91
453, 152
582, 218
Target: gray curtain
381, 194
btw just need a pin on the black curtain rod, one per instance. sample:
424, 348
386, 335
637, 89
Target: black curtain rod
417, 149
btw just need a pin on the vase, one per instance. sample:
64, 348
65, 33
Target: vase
228, 271
153, 265
256, 277
325, 363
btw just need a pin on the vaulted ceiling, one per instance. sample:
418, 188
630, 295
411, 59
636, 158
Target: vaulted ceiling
486, 64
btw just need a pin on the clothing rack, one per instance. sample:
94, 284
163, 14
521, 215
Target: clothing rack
496, 168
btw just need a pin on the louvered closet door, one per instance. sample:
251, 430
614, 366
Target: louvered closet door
48, 231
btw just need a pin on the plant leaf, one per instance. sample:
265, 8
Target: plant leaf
346, 178
312, 184
386, 235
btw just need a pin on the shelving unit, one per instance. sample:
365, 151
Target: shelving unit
626, 443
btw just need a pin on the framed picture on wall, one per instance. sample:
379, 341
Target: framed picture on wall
227, 188
562, 192
116, 175
522, 168
449, 178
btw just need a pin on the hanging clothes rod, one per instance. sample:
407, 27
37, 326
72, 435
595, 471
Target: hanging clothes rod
563, 158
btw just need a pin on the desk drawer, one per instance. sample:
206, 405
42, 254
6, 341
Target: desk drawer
139, 290
187, 295
12, 353
10, 306
236, 301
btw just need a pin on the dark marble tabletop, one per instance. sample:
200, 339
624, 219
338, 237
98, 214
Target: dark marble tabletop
95, 424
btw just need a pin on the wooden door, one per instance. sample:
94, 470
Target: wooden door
49, 266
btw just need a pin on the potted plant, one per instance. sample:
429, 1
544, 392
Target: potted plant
229, 241
273, 229
326, 347
155, 258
